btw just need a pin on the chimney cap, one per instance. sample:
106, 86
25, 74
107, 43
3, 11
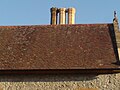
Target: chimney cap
62, 9
71, 9
53, 9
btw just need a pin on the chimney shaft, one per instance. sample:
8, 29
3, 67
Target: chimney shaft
71, 15
53, 15
62, 15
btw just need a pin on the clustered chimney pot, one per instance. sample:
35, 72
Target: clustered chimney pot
71, 15
53, 15
62, 15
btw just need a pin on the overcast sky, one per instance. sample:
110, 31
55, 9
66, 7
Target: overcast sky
36, 12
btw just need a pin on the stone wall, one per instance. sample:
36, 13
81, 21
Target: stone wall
60, 82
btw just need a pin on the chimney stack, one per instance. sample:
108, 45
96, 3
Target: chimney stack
71, 15
54, 12
62, 15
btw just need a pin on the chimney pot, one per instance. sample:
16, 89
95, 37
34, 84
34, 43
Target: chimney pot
54, 13
62, 15
71, 15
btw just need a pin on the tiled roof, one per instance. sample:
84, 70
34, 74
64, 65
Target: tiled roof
45, 47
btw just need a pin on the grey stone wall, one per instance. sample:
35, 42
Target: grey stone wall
60, 82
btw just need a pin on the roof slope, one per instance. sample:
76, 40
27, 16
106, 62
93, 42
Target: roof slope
80, 46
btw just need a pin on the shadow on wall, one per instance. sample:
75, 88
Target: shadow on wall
46, 78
